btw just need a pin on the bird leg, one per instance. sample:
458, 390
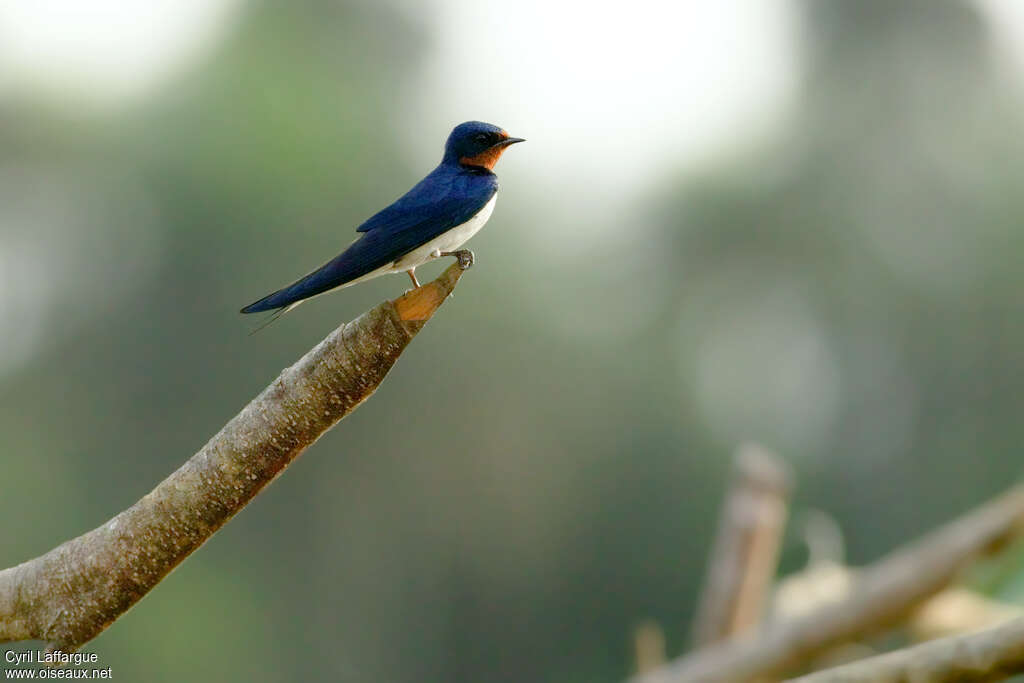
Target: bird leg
464, 256
412, 276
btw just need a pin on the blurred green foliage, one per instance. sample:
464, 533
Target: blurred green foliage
543, 468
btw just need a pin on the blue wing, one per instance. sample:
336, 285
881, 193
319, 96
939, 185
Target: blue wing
438, 203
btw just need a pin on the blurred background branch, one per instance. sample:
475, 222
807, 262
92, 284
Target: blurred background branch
882, 595
69, 595
744, 557
992, 654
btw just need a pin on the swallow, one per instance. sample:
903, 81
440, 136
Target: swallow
433, 219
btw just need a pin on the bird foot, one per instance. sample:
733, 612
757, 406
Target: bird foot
464, 256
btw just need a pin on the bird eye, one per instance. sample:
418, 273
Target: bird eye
482, 137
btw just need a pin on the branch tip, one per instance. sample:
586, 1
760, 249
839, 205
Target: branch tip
421, 303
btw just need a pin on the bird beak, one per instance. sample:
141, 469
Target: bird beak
508, 141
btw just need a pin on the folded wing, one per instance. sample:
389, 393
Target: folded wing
413, 220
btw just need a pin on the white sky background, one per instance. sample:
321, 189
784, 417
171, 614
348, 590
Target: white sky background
624, 88
103, 50
611, 92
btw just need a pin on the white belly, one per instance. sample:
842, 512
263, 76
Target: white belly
449, 241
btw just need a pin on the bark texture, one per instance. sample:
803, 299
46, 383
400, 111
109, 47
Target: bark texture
69, 595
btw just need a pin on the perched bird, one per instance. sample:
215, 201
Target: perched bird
431, 220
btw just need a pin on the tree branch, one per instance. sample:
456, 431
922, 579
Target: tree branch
883, 593
69, 595
989, 655
745, 553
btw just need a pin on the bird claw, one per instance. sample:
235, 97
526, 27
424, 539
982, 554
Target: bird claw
464, 257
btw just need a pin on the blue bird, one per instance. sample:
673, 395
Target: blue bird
431, 220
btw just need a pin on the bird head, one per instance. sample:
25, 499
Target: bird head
477, 145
